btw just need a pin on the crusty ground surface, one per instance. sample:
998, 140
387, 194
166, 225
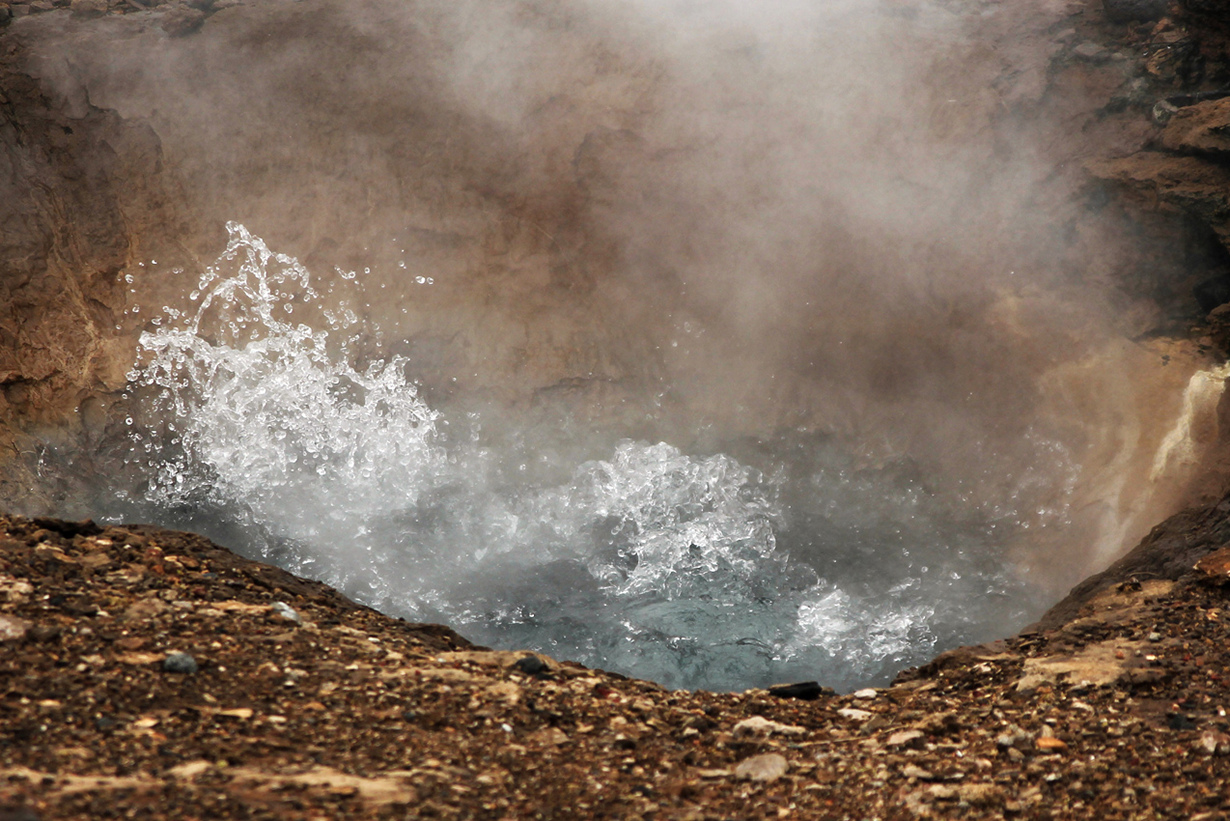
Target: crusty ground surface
1117, 712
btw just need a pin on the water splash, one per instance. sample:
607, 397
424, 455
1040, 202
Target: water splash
692, 569
260, 412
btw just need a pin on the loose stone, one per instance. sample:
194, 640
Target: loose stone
284, 612
905, 738
758, 725
13, 629
766, 767
531, 665
179, 662
805, 690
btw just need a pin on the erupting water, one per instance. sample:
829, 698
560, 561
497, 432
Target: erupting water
692, 569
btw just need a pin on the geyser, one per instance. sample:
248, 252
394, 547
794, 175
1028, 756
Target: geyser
691, 569
716, 343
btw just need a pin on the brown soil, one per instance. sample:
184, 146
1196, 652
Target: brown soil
1116, 712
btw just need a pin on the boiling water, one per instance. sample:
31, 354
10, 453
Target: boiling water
254, 425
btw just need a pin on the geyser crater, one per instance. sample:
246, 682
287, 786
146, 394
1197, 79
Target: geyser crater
694, 569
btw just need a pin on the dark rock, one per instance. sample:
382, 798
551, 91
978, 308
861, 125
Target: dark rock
1127, 11
179, 662
1212, 293
1179, 721
182, 20
805, 690
19, 10
1213, 11
531, 666
202, 5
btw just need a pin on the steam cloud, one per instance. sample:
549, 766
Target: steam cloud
702, 222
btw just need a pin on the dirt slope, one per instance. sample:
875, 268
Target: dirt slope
292, 702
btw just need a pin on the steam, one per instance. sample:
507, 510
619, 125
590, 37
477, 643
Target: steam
767, 320
651, 560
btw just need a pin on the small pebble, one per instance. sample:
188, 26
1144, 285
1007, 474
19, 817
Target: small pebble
179, 662
282, 610
13, 629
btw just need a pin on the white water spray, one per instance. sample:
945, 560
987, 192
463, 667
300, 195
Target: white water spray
690, 569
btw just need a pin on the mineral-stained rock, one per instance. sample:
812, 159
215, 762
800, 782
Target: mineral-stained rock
1216, 565
1200, 128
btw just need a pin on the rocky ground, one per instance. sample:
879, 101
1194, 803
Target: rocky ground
146, 673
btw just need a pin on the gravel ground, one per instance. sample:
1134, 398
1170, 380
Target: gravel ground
146, 673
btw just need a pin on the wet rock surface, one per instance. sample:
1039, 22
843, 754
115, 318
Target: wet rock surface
1116, 712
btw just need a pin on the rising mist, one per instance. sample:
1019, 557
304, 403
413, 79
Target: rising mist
828, 239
